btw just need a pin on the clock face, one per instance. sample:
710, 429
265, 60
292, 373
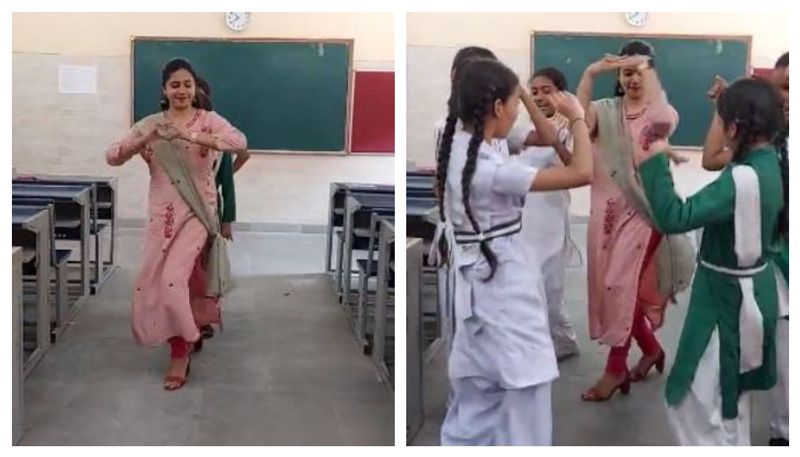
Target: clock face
237, 21
637, 19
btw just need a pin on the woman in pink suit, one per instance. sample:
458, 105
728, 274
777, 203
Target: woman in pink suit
625, 302
169, 299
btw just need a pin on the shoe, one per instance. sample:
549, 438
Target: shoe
593, 395
638, 375
181, 381
565, 349
207, 331
778, 442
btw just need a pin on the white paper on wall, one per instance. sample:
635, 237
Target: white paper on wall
77, 79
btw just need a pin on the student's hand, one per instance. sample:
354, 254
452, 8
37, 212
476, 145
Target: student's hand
676, 158
527, 99
226, 230
662, 145
717, 87
566, 104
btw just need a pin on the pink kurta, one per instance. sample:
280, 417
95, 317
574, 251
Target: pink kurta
620, 272
169, 295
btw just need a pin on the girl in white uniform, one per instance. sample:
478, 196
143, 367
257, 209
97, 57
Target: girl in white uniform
545, 217
544, 133
502, 360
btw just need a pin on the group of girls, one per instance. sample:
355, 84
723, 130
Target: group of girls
504, 236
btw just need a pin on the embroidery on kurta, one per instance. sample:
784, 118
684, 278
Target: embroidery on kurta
169, 221
608, 221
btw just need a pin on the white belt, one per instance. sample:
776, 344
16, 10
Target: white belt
741, 272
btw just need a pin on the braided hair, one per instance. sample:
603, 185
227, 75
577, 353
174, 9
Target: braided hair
484, 82
755, 108
470, 53
463, 57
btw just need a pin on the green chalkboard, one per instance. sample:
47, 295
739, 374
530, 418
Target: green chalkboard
686, 66
284, 95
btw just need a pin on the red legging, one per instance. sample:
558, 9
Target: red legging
641, 331
617, 364
178, 347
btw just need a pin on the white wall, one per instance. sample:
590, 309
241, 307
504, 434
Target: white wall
431, 47
67, 134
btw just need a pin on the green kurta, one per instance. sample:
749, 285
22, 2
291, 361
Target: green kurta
226, 192
716, 297
782, 257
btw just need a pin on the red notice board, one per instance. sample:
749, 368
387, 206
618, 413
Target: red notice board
373, 112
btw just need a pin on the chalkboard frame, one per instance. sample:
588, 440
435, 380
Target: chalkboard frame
349, 42
746, 39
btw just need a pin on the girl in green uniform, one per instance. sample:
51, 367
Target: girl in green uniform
727, 346
226, 190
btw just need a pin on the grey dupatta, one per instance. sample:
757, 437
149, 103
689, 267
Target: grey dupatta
675, 258
217, 265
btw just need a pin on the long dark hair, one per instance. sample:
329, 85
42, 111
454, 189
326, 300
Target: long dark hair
635, 48
468, 53
169, 68
483, 82
755, 108
460, 61
203, 95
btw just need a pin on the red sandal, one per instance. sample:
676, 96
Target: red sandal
180, 380
592, 395
638, 375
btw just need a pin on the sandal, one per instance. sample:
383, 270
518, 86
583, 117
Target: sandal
638, 374
593, 395
179, 380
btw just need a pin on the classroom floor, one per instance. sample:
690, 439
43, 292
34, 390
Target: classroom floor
285, 370
638, 419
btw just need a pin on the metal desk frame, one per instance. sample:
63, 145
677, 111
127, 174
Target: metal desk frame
39, 224
345, 188
17, 354
382, 312
103, 269
81, 197
415, 412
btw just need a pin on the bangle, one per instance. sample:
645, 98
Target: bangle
572, 122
